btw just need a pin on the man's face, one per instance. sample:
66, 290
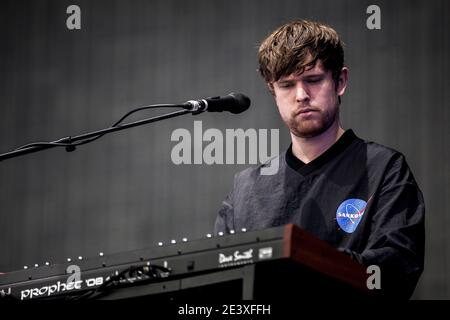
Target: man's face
309, 102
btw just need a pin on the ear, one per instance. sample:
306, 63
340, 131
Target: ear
342, 81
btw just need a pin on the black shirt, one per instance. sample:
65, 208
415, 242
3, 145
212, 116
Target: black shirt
359, 196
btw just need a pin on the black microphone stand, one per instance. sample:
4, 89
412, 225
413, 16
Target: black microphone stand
68, 141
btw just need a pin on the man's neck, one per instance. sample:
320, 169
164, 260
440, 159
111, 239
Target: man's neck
308, 149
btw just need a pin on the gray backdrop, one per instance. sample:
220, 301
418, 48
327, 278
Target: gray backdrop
123, 192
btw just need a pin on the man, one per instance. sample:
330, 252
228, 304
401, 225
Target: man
358, 196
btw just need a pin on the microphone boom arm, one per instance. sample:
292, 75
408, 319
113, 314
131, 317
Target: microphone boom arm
67, 141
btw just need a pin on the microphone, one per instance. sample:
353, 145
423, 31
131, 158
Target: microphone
233, 102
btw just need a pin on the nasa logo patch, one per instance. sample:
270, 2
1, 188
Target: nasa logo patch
350, 213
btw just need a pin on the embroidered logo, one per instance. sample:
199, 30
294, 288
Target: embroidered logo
350, 213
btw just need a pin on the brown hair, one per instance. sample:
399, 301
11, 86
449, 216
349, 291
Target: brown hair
298, 45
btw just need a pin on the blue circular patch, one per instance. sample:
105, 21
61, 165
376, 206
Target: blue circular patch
350, 213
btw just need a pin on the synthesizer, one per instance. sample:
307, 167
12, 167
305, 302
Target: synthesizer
92, 277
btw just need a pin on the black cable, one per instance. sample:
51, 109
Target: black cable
144, 108
139, 273
71, 146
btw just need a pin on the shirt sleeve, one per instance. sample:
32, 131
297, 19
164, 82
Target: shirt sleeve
397, 239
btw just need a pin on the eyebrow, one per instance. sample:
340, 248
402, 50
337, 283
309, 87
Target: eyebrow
286, 80
313, 75
321, 74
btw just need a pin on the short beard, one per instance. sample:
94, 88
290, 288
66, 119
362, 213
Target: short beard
310, 131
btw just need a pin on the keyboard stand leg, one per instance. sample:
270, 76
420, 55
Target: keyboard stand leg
248, 282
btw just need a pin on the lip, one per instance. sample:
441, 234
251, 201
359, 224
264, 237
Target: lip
307, 111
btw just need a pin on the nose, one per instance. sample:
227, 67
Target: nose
301, 94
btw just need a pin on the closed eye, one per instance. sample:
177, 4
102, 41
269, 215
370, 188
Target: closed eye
314, 80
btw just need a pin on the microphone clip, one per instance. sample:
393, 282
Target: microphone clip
196, 106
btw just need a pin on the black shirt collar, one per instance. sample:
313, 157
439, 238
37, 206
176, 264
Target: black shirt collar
304, 169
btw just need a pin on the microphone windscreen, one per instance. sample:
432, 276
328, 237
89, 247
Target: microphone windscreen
242, 103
